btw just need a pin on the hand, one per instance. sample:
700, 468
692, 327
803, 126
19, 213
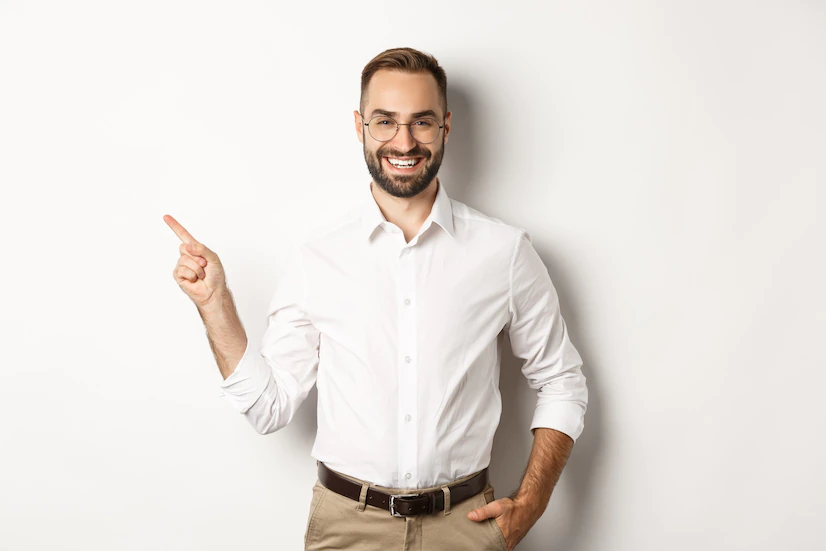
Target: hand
198, 272
514, 518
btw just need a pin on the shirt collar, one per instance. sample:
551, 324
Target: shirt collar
441, 212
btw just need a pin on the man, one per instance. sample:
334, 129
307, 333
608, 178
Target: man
394, 310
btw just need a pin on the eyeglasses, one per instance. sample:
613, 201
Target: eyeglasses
384, 128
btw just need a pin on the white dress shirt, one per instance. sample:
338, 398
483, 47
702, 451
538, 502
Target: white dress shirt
401, 340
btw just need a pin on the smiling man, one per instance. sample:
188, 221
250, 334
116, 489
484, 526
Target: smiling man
403, 164
395, 310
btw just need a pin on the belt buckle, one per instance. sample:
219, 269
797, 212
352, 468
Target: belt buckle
392, 503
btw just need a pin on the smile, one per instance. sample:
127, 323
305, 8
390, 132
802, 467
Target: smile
403, 164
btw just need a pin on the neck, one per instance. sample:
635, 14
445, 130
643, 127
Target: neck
408, 213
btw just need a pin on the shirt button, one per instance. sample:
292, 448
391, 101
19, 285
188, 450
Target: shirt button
407, 302
407, 359
407, 417
407, 476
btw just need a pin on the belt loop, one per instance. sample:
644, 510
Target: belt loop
362, 497
446, 491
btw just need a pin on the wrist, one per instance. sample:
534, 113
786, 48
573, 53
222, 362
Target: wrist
531, 505
217, 302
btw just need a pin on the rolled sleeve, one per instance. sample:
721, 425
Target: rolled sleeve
246, 384
539, 335
272, 380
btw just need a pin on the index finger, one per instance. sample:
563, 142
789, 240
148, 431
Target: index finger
179, 230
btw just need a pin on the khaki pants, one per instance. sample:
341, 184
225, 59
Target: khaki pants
338, 522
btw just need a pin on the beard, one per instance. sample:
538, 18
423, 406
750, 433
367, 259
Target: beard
404, 185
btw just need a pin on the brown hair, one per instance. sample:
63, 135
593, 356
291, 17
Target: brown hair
407, 60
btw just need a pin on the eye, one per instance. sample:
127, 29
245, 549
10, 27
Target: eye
425, 123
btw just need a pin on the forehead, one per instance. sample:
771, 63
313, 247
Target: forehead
402, 92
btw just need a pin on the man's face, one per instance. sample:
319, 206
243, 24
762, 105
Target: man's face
402, 95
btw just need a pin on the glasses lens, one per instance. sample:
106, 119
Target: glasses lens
424, 130
382, 128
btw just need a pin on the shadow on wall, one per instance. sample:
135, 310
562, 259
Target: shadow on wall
462, 155
513, 442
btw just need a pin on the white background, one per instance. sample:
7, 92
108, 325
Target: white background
667, 158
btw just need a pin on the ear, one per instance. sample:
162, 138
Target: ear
359, 126
447, 124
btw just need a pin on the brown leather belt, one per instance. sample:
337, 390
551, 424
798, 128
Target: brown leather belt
404, 505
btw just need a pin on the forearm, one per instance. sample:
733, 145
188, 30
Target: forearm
225, 333
550, 452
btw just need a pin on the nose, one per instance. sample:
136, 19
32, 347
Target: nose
403, 140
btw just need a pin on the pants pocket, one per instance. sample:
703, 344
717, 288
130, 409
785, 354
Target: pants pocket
500, 537
319, 492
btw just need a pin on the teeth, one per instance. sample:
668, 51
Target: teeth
402, 163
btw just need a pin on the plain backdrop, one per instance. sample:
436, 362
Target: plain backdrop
668, 159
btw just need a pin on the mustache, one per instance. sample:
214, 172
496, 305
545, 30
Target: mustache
396, 153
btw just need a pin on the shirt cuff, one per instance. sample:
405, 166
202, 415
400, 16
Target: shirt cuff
567, 417
246, 384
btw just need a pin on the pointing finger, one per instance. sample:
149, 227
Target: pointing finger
179, 230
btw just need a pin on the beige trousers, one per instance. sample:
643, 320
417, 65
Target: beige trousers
338, 522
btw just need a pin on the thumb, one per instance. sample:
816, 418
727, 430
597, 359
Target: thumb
488, 511
198, 248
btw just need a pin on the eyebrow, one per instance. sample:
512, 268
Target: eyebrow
416, 115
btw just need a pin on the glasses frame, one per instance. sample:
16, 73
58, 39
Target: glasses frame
398, 124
